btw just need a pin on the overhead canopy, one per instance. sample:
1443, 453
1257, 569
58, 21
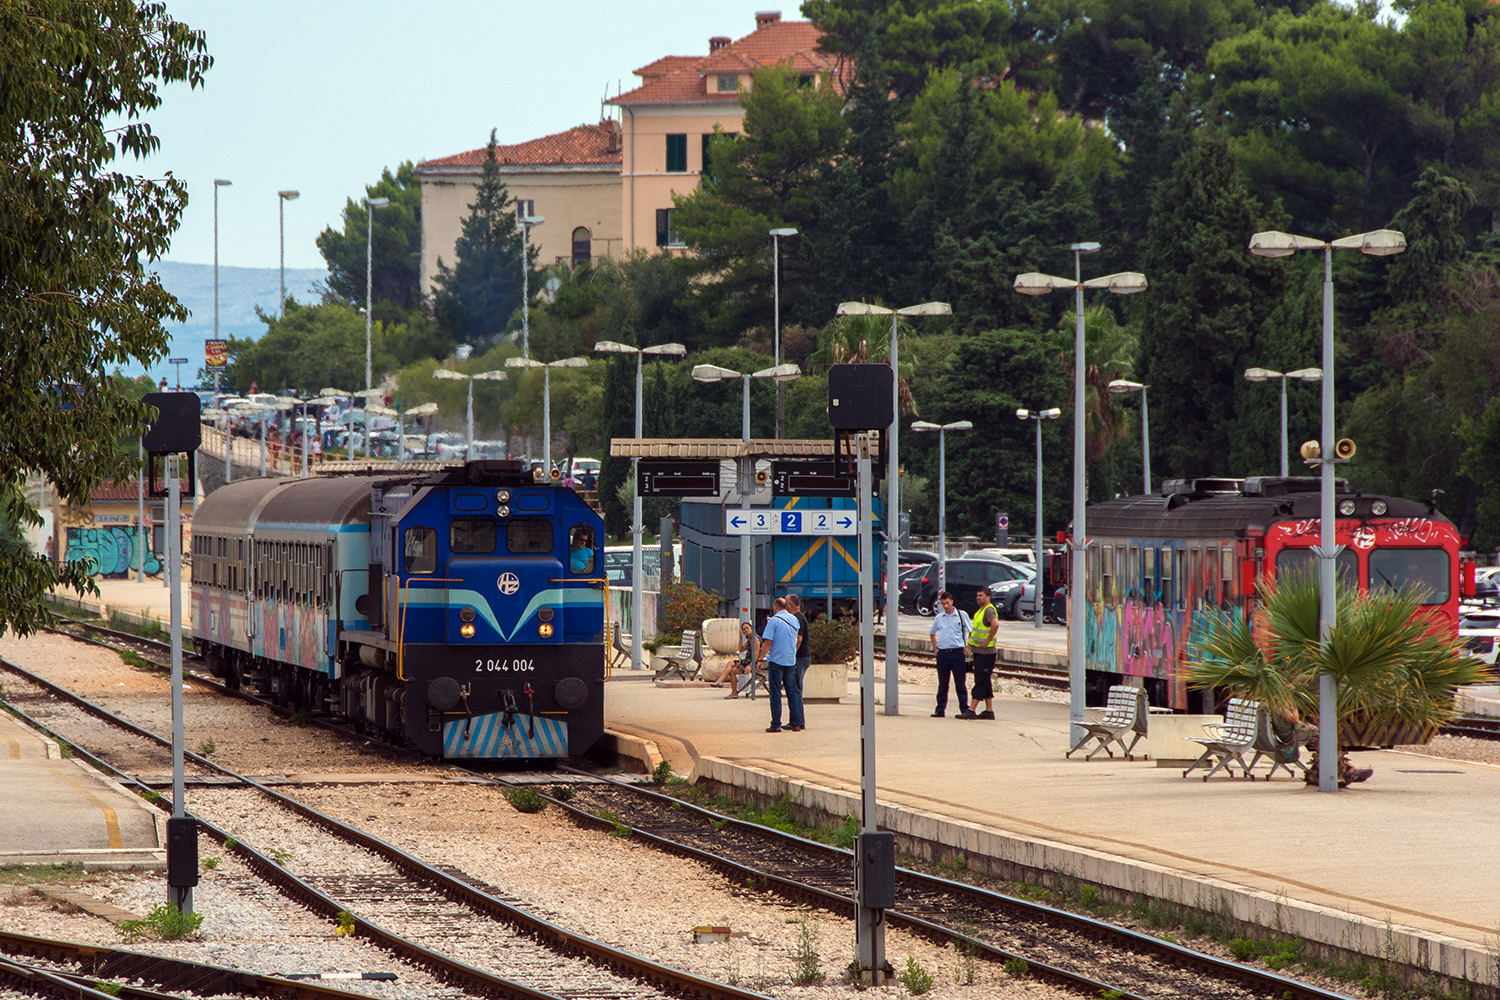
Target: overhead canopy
720, 448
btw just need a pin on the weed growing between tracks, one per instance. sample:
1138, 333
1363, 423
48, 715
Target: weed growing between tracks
778, 816
166, 923
41, 874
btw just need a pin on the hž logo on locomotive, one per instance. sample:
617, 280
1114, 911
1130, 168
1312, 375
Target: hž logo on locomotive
509, 583
503, 666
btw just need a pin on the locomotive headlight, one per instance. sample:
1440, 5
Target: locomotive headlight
1346, 507
466, 615
503, 510
544, 630
1378, 508
502, 496
466, 630
544, 614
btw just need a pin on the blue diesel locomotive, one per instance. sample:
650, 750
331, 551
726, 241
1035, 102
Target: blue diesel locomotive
460, 613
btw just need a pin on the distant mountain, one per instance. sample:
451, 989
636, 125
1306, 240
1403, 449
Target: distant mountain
241, 289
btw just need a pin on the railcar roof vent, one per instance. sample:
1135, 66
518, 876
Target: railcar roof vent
1276, 486
1208, 486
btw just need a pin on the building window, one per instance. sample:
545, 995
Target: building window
582, 246
707, 139
666, 228
728, 84
677, 153
525, 208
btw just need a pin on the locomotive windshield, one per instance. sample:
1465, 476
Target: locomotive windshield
1411, 569
1305, 561
528, 536
471, 536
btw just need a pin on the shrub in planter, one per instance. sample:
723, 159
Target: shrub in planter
833, 641
687, 605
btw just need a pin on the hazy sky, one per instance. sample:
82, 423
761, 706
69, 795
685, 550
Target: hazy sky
320, 95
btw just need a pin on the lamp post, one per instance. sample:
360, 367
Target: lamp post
371, 204
1263, 374
746, 484
776, 235
1123, 283
493, 376
422, 410
1378, 243
1039, 416
218, 183
282, 197
546, 368
892, 476
1120, 387
614, 347
526, 221
942, 431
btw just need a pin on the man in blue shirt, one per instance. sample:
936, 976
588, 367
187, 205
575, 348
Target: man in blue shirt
779, 640
949, 635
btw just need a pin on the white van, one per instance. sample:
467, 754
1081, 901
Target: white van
1012, 554
583, 465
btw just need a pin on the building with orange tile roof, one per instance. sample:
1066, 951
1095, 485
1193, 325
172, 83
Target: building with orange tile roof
606, 189
571, 179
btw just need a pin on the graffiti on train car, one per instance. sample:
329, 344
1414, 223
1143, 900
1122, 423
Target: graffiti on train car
290, 634
110, 551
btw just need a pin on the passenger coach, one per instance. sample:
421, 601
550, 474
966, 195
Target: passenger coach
1159, 568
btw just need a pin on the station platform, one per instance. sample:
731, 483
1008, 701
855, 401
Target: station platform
1391, 867
61, 811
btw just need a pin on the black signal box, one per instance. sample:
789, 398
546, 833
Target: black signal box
859, 397
176, 428
676, 477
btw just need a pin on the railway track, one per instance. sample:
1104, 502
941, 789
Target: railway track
1071, 950
1048, 677
455, 929
78, 970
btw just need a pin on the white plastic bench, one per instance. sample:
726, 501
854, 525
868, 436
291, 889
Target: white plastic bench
683, 662
1226, 743
1124, 712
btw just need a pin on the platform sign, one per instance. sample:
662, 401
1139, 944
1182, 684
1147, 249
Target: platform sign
675, 477
791, 522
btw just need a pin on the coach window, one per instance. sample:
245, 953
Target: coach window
1229, 587
1133, 580
471, 536
420, 550
1211, 577
1150, 593
1411, 569
1179, 571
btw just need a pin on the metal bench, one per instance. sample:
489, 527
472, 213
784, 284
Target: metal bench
619, 653
1124, 712
1282, 754
685, 661
1226, 743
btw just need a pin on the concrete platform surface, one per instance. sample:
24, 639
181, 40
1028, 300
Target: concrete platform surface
60, 809
1410, 848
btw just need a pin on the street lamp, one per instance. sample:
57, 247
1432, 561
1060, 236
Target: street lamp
1121, 386
942, 429
217, 184
1123, 283
282, 197
1039, 416
746, 485
526, 221
776, 235
494, 376
1379, 243
893, 473
371, 204
422, 410
546, 368
614, 347
1263, 374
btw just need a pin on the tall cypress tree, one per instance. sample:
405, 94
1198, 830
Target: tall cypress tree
476, 297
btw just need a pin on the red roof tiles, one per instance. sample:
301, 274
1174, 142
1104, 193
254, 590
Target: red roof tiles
682, 79
579, 146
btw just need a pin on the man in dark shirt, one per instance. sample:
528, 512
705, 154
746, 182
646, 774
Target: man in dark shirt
804, 660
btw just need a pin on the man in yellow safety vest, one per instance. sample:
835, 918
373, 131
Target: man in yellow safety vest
984, 631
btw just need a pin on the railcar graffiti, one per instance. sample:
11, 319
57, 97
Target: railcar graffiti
111, 551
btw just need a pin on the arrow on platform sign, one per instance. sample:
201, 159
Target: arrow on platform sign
844, 522
736, 521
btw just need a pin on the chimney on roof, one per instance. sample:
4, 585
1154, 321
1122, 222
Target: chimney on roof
717, 42
765, 17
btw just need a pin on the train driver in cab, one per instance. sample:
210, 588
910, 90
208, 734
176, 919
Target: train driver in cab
581, 550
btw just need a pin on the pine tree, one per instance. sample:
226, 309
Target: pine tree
476, 297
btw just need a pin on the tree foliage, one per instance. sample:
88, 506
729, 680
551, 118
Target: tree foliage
76, 234
393, 245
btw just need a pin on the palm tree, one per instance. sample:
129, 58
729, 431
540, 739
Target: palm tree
1395, 667
1109, 353
866, 339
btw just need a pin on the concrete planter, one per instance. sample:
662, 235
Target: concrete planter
825, 682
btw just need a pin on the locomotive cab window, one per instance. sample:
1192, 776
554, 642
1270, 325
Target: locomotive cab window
581, 550
1303, 561
1411, 569
528, 536
420, 550
471, 536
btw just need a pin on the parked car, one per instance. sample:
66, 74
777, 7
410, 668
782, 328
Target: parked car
1008, 553
1479, 629
963, 577
1487, 584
